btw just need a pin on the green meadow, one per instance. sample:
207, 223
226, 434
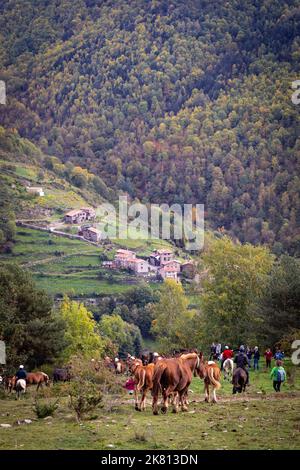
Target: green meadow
258, 419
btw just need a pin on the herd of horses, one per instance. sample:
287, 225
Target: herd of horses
171, 378
168, 377
32, 378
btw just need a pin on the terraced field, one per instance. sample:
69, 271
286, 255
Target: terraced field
65, 266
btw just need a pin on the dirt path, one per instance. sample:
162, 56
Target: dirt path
235, 399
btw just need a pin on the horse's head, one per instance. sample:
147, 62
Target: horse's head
11, 383
200, 367
46, 379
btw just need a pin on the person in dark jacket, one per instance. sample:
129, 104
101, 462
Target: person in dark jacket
241, 360
249, 353
21, 373
256, 357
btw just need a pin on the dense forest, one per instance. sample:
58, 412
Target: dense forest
170, 101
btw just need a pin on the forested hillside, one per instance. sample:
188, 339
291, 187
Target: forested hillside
183, 101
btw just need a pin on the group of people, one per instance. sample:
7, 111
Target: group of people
243, 359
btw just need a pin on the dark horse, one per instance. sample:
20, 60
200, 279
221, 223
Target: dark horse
62, 375
239, 380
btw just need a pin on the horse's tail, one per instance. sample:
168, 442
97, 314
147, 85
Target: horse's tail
158, 372
141, 382
212, 378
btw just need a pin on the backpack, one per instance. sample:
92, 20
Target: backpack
280, 375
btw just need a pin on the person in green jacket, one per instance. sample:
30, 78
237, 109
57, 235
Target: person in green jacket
278, 375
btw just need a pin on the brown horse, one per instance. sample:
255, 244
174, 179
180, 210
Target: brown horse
211, 373
32, 378
9, 383
143, 376
173, 377
239, 380
37, 378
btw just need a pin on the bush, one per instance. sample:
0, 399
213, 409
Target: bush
44, 409
84, 397
91, 382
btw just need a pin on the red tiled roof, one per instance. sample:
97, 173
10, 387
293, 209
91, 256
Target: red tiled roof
74, 212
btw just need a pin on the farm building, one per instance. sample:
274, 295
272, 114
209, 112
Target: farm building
158, 257
76, 216
175, 264
188, 269
167, 272
91, 233
122, 257
38, 191
138, 265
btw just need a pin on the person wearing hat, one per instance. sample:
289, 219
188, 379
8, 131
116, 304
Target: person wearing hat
227, 354
241, 360
155, 357
21, 373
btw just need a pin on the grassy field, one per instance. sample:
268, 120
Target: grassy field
259, 419
65, 266
61, 265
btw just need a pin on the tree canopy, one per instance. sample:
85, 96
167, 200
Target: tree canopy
186, 101
33, 334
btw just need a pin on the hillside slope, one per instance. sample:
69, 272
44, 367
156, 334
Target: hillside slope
187, 101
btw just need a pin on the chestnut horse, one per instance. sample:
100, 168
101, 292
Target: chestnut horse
32, 378
211, 373
37, 378
173, 377
143, 376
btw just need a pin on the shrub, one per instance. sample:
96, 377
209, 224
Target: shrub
91, 382
84, 397
44, 409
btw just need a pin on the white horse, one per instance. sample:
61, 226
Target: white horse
228, 367
20, 388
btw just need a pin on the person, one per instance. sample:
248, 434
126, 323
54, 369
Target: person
130, 385
218, 350
256, 357
212, 351
249, 353
241, 360
279, 355
21, 373
227, 354
278, 375
268, 356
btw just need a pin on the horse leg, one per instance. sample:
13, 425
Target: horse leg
136, 398
175, 402
166, 393
155, 404
206, 390
183, 400
143, 399
214, 395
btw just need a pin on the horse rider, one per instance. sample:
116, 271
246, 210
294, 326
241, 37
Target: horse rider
155, 357
227, 354
21, 373
241, 360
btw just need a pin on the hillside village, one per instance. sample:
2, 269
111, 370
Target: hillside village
160, 264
